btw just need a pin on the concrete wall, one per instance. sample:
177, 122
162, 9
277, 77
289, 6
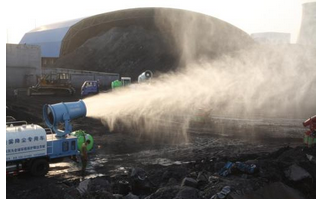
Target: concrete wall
23, 55
77, 80
20, 77
47, 62
23, 65
78, 77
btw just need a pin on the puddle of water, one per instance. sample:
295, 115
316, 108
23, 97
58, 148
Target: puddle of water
98, 162
63, 167
94, 175
164, 162
69, 166
120, 170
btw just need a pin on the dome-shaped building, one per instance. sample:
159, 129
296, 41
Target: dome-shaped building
133, 40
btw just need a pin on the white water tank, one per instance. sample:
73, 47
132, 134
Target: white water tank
26, 141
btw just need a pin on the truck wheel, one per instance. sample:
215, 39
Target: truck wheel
40, 167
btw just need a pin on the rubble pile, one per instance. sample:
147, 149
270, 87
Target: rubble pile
285, 173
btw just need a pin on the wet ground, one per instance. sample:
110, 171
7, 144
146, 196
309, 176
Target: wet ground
116, 154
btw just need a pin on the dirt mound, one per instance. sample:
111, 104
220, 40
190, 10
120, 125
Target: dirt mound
128, 51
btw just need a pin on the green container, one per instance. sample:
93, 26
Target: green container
116, 84
309, 140
82, 137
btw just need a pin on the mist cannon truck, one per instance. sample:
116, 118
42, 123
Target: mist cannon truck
30, 147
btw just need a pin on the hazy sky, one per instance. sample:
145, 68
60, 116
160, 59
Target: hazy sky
249, 15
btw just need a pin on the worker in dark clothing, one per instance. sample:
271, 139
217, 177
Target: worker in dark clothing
84, 157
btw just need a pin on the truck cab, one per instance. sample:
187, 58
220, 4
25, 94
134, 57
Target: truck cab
89, 88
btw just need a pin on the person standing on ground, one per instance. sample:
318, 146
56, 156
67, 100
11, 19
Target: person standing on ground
84, 157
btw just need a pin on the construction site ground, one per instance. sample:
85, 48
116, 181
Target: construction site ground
273, 144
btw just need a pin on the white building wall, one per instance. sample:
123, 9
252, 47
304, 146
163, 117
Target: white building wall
19, 55
23, 65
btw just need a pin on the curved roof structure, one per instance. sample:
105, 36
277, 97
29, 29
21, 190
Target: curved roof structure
48, 37
60, 39
158, 39
160, 19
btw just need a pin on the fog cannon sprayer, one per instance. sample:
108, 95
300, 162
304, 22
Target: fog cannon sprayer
63, 112
145, 76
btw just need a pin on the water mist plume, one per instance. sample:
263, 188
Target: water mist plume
270, 81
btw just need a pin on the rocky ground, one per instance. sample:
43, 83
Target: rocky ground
124, 165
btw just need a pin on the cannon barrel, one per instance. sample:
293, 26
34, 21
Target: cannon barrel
63, 112
147, 75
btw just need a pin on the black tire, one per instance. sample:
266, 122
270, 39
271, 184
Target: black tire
40, 167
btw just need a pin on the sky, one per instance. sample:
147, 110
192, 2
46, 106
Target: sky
251, 16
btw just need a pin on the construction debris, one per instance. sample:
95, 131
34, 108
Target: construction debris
296, 173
